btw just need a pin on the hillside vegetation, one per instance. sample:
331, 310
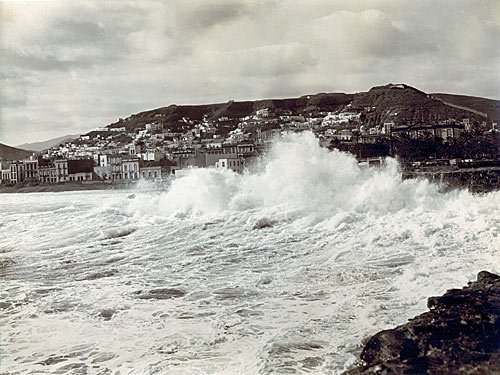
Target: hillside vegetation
489, 106
232, 109
12, 153
398, 103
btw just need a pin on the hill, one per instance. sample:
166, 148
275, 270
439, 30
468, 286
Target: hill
232, 109
12, 153
404, 104
489, 106
399, 103
39, 146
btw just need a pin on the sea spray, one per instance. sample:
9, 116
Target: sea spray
349, 251
296, 176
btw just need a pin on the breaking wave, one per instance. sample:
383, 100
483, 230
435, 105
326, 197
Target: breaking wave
298, 177
283, 269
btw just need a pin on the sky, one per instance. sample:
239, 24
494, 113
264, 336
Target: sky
67, 67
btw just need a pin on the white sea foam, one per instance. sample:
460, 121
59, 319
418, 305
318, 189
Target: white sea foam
282, 269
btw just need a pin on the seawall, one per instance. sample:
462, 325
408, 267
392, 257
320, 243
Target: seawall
477, 180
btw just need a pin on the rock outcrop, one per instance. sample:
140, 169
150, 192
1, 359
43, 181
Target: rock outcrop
162, 293
459, 335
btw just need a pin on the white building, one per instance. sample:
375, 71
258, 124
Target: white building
340, 118
150, 155
386, 129
153, 127
235, 164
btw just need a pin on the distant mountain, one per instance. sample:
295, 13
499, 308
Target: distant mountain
12, 153
39, 146
398, 103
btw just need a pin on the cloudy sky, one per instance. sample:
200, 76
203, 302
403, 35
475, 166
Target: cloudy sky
69, 66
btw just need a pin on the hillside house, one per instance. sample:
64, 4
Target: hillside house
266, 135
152, 127
340, 118
344, 135
387, 127
150, 155
265, 113
134, 149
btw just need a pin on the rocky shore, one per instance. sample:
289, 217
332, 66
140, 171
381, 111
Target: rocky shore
459, 335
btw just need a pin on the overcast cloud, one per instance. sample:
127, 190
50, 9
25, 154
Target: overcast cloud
70, 66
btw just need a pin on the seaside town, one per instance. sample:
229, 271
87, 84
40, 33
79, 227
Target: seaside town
165, 146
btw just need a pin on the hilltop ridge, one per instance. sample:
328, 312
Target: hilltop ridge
399, 103
331, 115
326, 102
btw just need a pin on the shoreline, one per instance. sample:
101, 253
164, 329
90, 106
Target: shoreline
476, 180
66, 186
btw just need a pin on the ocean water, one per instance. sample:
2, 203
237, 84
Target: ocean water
282, 270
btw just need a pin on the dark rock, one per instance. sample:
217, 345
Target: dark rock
100, 275
459, 335
106, 314
163, 293
53, 360
263, 223
6, 265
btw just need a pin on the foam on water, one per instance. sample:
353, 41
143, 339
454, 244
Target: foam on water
284, 269
297, 176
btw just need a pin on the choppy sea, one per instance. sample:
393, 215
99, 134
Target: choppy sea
281, 270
